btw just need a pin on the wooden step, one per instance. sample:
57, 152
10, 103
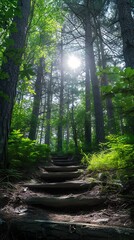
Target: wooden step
75, 202
61, 169
59, 176
70, 185
40, 229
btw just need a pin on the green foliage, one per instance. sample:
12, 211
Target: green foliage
26, 71
86, 158
21, 116
117, 153
121, 87
24, 152
43, 29
6, 11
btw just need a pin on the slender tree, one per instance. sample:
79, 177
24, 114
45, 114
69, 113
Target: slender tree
87, 84
99, 121
60, 124
111, 126
49, 104
73, 122
36, 102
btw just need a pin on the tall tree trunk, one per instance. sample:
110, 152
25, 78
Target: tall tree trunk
9, 74
87, 88
67, 123
127, 30
109, 105
60, 128
99, 121
37, 100
74, 124
44, 103
48, 114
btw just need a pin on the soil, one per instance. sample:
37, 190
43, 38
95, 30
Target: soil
117, 210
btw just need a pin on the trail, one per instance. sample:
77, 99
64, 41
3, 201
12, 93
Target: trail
60, 203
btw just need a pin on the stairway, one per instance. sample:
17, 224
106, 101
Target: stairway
61, 188
62, 177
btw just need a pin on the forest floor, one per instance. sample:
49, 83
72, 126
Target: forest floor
117, 210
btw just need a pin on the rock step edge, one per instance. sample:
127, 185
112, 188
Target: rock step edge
51, 230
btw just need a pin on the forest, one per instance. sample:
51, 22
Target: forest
67, 84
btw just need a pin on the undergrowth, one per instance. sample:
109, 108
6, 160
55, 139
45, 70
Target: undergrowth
116, 153
24, 152
8, 176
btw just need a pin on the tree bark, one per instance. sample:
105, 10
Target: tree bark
44, 106
67, 124
74, 129
60, 125
36, 103
127, 31
87, 88
9, 74
99, 121
48, 114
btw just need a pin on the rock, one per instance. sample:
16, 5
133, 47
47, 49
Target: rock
100, 221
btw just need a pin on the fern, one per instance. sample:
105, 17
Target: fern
117, 153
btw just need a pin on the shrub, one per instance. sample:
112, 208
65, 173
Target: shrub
23, 151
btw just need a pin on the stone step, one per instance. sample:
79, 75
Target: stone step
68, 202
40, 229
70, 185
61, 169
64, 163
62, 159
59, 176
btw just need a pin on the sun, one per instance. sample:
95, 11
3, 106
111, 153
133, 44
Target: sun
73, 62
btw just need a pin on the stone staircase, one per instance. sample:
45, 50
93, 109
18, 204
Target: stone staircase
61, 188
63, 177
